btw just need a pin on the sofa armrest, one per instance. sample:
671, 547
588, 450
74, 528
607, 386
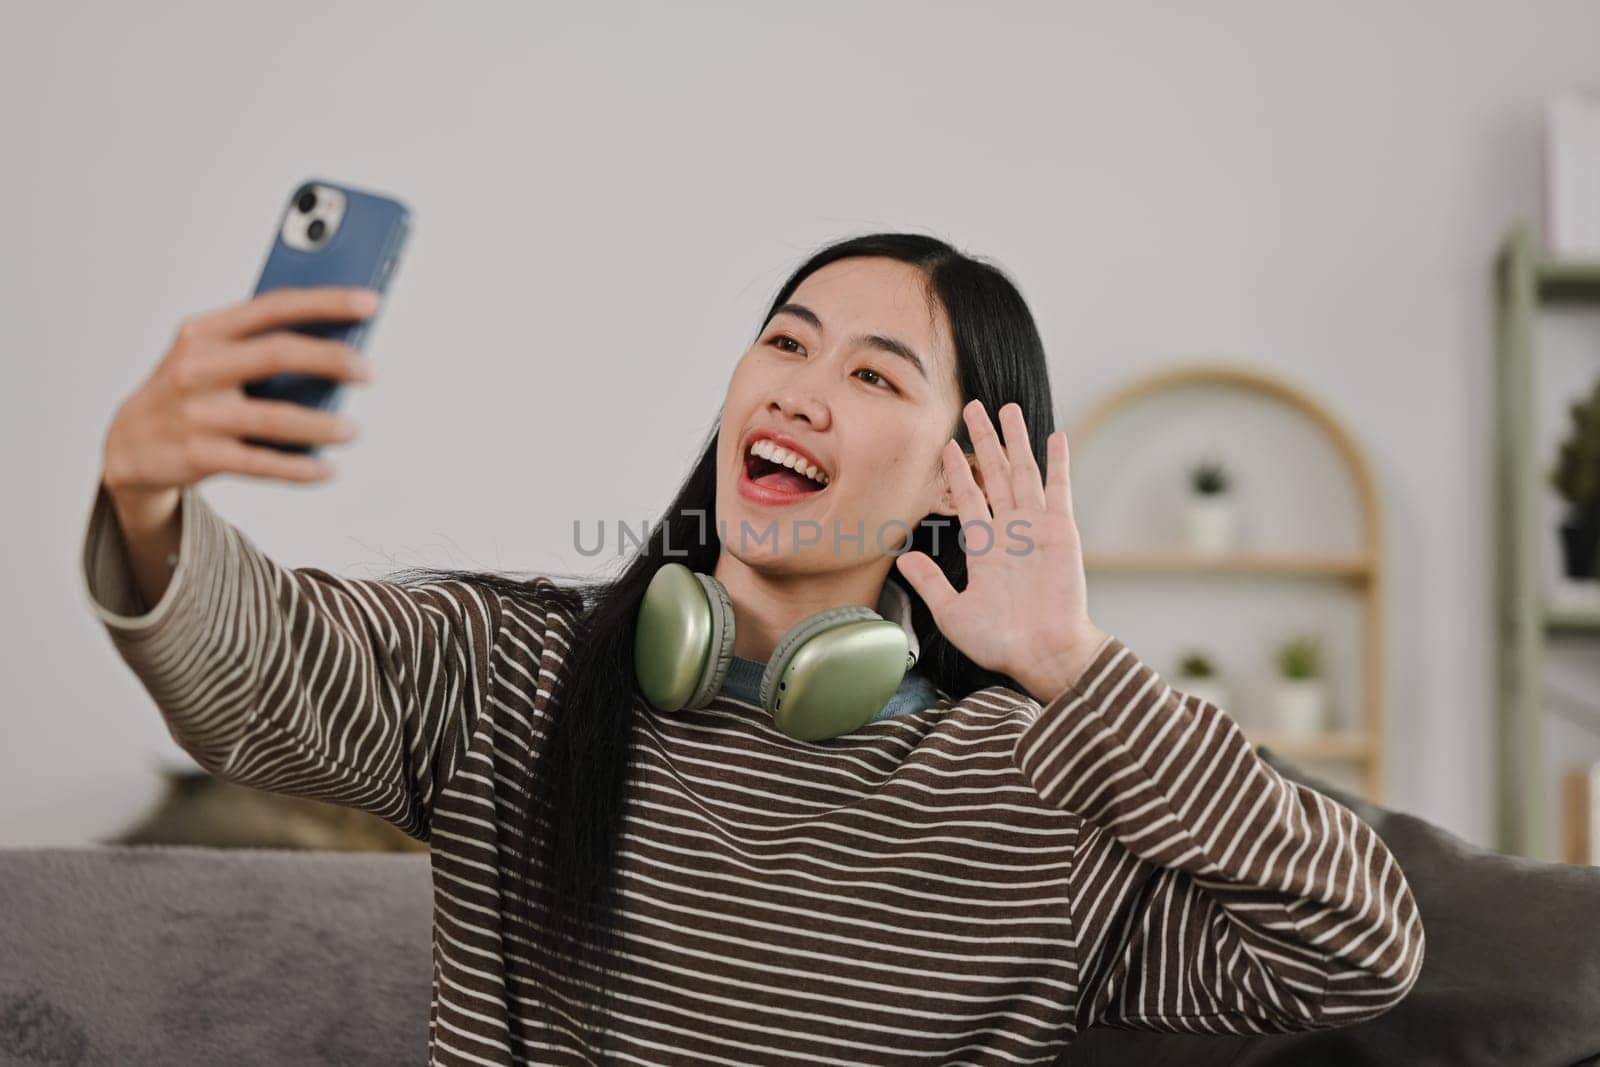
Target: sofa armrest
1511, 976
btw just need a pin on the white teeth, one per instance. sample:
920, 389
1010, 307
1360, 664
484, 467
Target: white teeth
766, 449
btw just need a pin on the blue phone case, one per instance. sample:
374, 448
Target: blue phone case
363, 250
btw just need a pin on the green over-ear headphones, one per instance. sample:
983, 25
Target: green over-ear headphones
829, 675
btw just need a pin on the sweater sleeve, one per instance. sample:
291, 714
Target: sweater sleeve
297, 681
1208, 892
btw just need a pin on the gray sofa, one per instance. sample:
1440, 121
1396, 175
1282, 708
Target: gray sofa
172, 955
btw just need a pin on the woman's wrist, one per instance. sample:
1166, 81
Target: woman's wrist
1054, 675
152, 533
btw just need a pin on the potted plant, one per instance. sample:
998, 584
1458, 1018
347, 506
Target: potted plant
1198, 677
1301, 707
1576, 477
1212, 522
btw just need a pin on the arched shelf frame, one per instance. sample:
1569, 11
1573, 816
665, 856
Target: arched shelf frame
1366, 746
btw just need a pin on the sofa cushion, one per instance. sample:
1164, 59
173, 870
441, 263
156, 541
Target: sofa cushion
183, 955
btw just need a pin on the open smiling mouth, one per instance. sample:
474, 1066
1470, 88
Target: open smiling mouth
779, 474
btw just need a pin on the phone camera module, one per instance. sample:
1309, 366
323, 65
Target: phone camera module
313, 217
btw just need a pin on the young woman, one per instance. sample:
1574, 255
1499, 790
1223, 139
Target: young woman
1037, 835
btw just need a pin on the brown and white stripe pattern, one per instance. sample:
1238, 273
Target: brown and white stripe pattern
971, 884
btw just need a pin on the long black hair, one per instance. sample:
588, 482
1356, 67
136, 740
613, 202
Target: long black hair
562, 871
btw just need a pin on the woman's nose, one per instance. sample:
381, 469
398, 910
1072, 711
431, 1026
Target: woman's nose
797, 399
799, 405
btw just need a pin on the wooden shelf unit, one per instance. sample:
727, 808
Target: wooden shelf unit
1362, 569
1526, 280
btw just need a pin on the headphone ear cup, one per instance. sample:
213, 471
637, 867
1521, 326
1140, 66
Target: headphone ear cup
721, 644
833, 672
674, 638
803, 631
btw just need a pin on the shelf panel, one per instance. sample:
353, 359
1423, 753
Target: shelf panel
1169, 561
1567, 281
1572, 620
1340, 745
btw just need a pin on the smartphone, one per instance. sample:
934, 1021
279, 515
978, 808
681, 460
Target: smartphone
329, 234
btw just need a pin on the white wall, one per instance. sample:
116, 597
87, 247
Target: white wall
608, 194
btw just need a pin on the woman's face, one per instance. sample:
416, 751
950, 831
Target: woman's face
857, 372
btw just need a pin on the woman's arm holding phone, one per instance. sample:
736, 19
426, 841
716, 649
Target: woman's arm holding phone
291, 680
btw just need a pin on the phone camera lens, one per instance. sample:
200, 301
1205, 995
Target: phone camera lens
305, 201
316, 229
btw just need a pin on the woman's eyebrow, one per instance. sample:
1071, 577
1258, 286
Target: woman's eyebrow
878, 341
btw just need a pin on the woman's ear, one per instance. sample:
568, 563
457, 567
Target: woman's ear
947, 497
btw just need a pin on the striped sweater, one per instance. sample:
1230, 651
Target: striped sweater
974, 883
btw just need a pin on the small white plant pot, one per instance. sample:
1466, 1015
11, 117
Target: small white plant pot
1213, 525
1207, 689
1301, 708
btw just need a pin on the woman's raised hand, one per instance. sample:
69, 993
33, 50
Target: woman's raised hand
187, 420
1024, 611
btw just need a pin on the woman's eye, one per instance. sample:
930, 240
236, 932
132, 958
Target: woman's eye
780, 339
875, 374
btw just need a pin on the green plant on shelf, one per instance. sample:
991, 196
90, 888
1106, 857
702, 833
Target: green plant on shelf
1209, 478
1300, 658
1576, 475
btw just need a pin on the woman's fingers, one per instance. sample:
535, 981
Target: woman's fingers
970, 504
278, 352
1026, 487
238, 415
928, 582
1058, 483
283, 307
991, 458
189, 418
224, 455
